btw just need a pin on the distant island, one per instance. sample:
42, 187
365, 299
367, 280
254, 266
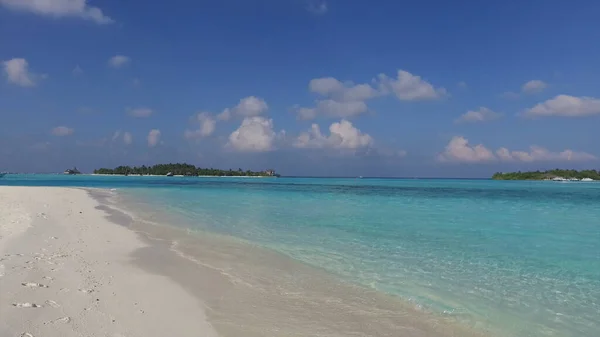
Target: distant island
556, 174
183, 170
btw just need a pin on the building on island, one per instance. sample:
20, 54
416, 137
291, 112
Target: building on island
74, 170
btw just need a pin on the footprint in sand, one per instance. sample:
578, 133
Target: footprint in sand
26, 334
26, 305
52, 304
65, 319
34, 285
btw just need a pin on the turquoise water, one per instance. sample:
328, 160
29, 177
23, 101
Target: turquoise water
519, 258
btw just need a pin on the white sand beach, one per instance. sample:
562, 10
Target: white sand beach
65, 270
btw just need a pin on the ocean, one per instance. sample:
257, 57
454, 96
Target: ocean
505, 257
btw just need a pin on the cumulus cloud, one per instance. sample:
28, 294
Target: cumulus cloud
118, 61
342, 135
61, 131
483, 114
533, 86
126, 137
17, 72
565, 106
140, 112
247, 107
331, 108
510, 95
153, 137
77, 70
206, 126
342, 100
409, 87
459, 150
530, 87
538, 153
255, 134
343, 92
59, 8
346, 99
318, 8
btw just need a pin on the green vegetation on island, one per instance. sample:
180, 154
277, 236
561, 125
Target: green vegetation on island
184, 170
548, 175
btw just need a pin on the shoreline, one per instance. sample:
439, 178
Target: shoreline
176, 176
263, 274
241, 289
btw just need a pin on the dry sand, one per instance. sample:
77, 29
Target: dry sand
65, 270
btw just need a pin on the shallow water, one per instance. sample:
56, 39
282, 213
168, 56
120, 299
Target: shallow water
516, 258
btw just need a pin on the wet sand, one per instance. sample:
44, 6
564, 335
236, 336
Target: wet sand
253, 291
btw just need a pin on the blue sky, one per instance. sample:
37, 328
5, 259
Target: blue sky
386, 88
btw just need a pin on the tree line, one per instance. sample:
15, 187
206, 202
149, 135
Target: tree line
541, 175
183, 169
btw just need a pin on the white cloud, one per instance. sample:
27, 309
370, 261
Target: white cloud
331, 108
118, 61
343, 92
77, 71
59, 8
483, 114
127, 138
459, 150
342, 135
17, 72
225, 115
342, 99
140, 112
409, 87
153, 137
247, 107
537, 153
346, 99
565, 106
61, 131
510, 95
206, 127
319, 8
533, 86
255, 134
530, 87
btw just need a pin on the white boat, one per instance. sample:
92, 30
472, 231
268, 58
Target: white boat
587, 179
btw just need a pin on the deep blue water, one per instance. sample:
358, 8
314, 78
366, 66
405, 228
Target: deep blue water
520, 258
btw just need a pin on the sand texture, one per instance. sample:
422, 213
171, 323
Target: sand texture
65, 270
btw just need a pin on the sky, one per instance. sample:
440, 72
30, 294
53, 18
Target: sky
307, 87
